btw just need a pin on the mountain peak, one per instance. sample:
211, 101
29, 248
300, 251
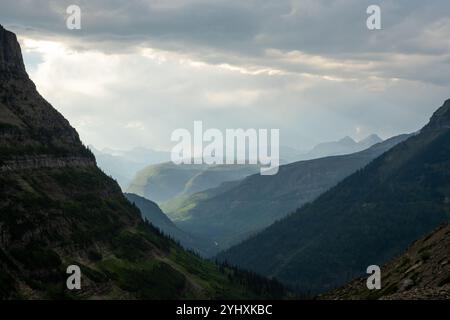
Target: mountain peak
347, 140
447, 102
441, 118
37, 125
11, 62
371, 139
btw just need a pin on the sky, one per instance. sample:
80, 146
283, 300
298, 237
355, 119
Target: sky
137, 70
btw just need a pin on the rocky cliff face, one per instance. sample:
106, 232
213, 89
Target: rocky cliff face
29, 124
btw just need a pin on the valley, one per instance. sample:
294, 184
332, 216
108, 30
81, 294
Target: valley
233, 157
236, 210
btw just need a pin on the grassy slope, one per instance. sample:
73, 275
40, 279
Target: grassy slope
166, 181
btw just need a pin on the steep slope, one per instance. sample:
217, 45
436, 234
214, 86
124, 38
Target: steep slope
57, 209
369, 141
163, 182
29, 125
153, 214
422, 272
179, 207
367, 219
229, 215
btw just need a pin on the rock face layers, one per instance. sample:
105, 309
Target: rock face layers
41, 162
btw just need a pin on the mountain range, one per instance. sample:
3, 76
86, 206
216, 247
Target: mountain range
368, 218
149, 173
343, 146
165, 181
236, 210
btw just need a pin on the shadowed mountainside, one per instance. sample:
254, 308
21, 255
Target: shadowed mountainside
235, 211
422, 272
366, 219
153, 214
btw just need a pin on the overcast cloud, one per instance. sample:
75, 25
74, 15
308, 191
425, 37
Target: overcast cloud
139, 69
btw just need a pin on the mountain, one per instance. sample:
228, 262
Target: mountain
289, 154
58, 209
367, 219
344, 146
369, 141
163, 182
153, 214
122, 165
169, 184
422, 272
233, 212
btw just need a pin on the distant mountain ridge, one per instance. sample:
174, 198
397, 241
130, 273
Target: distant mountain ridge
368, 218
168, 182
343, 146
162, 182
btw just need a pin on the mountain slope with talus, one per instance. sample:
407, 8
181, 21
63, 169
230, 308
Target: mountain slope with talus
369, 218
58, 209
421, 273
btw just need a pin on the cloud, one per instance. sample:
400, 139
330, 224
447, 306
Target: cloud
139, 69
